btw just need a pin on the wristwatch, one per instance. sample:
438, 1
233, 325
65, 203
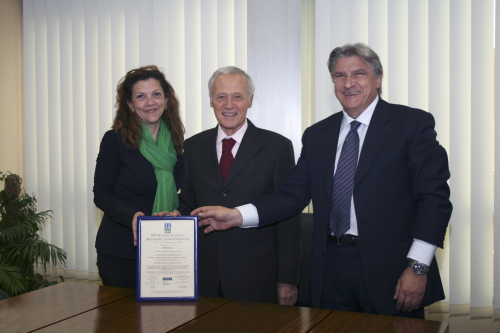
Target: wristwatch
418, 268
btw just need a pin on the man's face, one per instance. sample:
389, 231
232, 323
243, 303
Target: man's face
355, 95
230, 102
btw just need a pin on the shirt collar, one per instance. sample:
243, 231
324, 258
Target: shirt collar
365, 116
238, 136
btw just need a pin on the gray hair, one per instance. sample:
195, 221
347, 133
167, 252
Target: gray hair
228, 70
363, 51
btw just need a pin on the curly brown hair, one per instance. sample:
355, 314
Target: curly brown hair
127, 123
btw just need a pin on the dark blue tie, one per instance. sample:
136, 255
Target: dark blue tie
343, 183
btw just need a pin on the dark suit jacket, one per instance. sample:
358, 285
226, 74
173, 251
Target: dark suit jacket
248, 262
124, 184
400, 193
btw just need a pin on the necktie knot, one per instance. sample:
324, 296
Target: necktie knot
354, 125
227, 145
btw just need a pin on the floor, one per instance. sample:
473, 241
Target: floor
462, 324
79, 281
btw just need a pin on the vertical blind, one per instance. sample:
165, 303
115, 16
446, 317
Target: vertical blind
437, 55
75, 53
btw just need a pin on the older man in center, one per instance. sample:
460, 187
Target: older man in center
230, 165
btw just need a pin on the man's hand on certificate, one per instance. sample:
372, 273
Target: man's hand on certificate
218, 218
174, 213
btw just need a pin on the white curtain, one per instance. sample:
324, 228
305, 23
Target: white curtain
437, 55
77, 51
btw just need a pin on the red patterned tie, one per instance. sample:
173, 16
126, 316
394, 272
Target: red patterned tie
227, 157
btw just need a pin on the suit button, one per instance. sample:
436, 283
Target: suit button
223, 194
324, 226
322, 253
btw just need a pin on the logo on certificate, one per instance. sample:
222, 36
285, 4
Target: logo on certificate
168, 228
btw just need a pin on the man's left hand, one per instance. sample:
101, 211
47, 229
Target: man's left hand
287, 294
410, 290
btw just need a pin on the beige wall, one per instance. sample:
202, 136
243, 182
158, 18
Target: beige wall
11, 88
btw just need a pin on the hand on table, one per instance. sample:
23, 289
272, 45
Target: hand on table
287, 294
410, 290
218, 218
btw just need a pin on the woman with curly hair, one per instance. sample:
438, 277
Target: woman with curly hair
138, 169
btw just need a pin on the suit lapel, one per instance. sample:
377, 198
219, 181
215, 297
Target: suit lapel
377, 134
330, 138
209, 150
250, 144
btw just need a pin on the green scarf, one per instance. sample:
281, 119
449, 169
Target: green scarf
163, 156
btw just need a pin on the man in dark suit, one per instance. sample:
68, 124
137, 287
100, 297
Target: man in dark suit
230, 165
378, 181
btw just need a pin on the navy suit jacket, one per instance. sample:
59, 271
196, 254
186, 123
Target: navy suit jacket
400, 193
248, 262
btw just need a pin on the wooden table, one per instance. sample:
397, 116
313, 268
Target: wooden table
79, 307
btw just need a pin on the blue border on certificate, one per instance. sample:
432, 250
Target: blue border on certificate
138, 295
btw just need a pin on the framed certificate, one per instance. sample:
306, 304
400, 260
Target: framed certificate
167, 258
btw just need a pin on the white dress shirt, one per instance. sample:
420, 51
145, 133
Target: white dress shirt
419, 251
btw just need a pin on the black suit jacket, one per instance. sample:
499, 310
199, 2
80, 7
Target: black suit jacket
400, 193
248, 262
124, 184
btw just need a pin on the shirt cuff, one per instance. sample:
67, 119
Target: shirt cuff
422, 251
250, 216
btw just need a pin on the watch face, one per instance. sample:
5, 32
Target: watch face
418, 268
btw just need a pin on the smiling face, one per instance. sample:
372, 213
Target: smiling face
230, 101
355, 95
148, 102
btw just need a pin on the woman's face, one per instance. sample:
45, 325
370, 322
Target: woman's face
148, 101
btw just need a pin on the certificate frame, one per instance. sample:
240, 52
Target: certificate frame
144, 225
